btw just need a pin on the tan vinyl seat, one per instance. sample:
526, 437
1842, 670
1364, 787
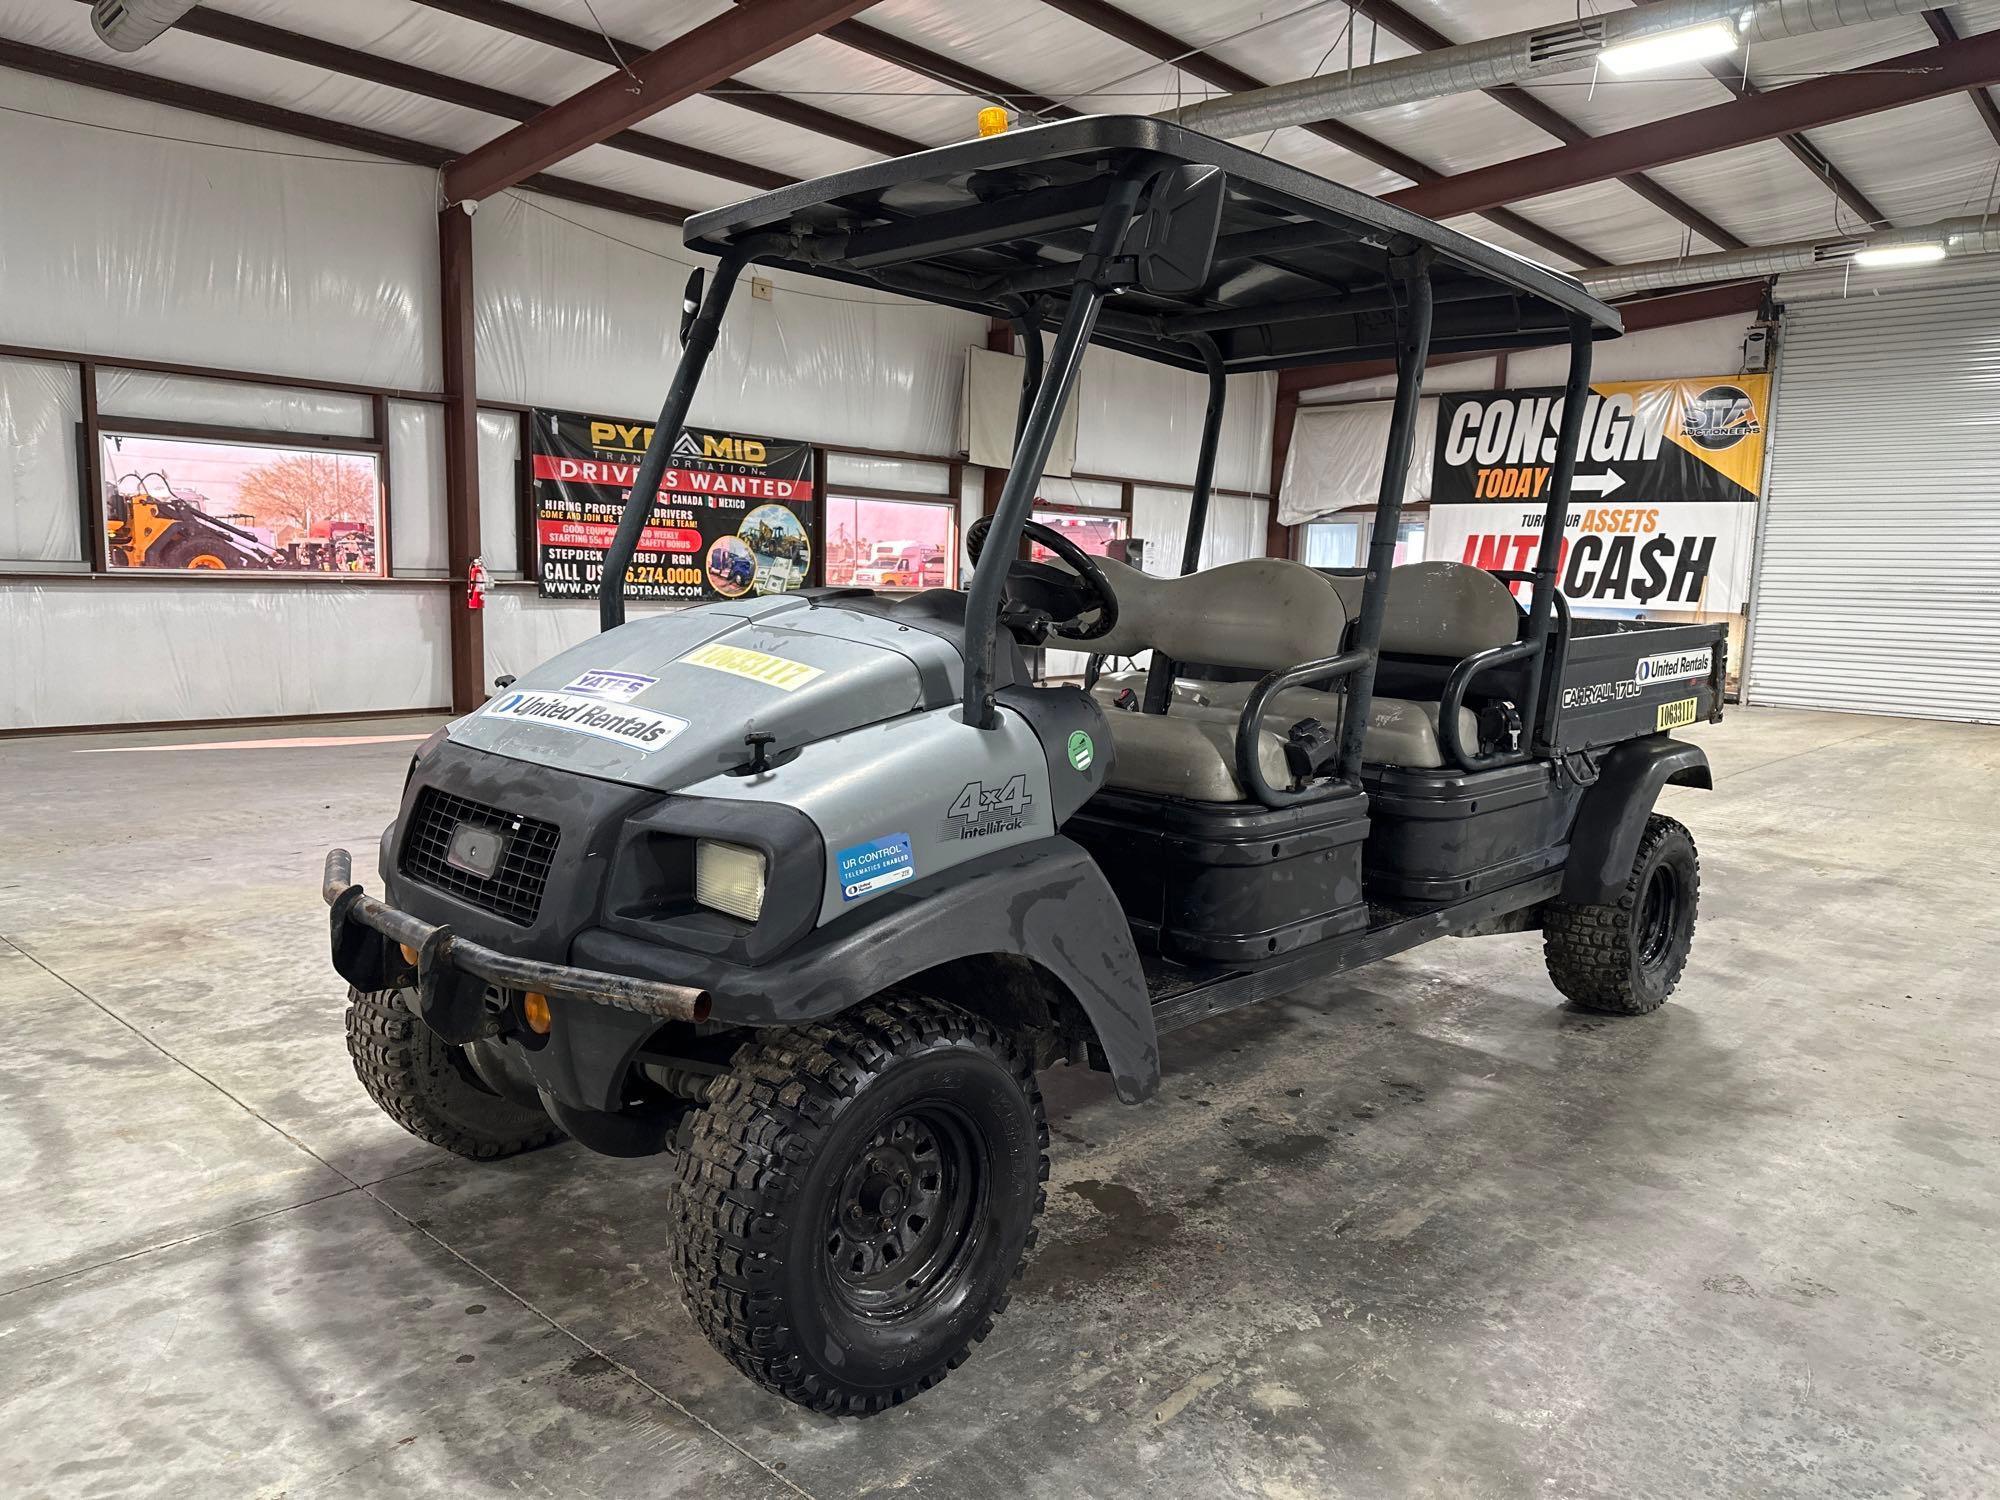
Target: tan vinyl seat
1260, 614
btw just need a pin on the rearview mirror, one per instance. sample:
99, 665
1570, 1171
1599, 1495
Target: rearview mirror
691, 301
1176, 242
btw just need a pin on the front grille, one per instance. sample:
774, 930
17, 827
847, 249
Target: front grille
528, 849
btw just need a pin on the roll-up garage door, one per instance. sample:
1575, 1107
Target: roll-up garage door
1878, 582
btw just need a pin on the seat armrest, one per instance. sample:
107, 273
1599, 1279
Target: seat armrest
1249, 769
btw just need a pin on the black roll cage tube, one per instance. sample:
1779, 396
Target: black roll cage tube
1046, 387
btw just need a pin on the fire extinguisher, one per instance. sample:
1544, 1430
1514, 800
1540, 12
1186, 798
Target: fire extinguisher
475, 584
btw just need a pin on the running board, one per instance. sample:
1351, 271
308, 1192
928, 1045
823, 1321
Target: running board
1211, 995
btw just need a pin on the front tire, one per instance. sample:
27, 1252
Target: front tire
1625, 957
856, 1200
429, 1087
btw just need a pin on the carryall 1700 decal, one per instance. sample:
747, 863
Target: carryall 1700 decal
641, 729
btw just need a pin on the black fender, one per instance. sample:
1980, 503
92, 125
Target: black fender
1612, 817
1046, 901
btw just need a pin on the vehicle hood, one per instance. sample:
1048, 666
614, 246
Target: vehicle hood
667, 701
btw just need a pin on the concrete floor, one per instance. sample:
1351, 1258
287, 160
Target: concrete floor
1421, 1231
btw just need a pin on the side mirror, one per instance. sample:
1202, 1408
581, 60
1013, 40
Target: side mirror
1176, 241
691, 301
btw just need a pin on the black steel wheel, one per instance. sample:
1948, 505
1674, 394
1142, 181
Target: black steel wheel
430, 1088
1625, 957
856, 1199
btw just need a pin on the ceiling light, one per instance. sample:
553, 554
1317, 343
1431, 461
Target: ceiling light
1923, 253
1669, 47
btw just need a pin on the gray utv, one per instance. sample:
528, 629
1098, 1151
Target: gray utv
802, 890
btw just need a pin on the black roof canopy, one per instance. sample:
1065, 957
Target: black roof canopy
1301, 265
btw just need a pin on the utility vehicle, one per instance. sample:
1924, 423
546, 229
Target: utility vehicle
804, 889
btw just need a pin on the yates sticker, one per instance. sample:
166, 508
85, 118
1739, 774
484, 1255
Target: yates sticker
1674, 666
622, 687
1676, 715
875, 865
759, 666
1081, 750
638, 729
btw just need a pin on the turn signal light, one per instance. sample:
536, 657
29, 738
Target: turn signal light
409, 954
535, 1011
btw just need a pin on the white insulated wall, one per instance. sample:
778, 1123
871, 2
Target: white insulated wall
135, 230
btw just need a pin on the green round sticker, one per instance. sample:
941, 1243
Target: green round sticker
1081, 751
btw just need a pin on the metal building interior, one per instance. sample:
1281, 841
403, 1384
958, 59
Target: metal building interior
316, 320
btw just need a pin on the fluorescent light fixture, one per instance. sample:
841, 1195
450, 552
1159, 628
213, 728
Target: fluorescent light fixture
1920, 254
1663, 50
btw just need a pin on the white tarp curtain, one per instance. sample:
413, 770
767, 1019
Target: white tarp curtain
1140, 419
1337, 454
1235, 528
993, 401
229, 403
80, 651
581, 308
40, 405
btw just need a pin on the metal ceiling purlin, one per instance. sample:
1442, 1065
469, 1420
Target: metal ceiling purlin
257, 36
583, 41
1909, 79
1982, 100
1144, 37
690, 64
114, 80
1415, 32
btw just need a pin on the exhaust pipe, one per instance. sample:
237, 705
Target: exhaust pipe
1965, 236
1517, 58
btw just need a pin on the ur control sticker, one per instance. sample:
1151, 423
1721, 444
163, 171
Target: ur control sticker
875, 865
1081, 751
638, 729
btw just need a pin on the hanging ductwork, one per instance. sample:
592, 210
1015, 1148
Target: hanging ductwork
1947, 237
1520, 57
128, 25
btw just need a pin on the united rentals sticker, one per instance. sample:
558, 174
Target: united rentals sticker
1674, 666
780, 672
639, 729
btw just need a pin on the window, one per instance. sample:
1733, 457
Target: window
1344, 544
175, 504
891, 544
1093, 533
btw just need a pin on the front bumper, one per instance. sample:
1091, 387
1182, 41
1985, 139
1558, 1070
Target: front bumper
372, 942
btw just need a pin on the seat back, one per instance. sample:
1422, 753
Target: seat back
1263, 612
1447, 609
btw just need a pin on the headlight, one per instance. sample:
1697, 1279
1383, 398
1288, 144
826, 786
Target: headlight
729, 878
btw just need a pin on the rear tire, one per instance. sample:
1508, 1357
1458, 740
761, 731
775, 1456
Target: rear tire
428, 1086
856, 1200
1624, 958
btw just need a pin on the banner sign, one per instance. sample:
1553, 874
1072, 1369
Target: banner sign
1663, 508
734, 513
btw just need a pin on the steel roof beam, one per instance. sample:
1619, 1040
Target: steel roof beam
370, 67
584, 41
131, 83
1909, 79
1646, 313
688, 65
1989, 112
1143, 37
1418, 33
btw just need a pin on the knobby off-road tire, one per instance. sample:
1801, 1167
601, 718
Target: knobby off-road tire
1625, 958
429, 1088
857, 1199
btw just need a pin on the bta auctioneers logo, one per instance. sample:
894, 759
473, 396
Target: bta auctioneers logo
1720, 417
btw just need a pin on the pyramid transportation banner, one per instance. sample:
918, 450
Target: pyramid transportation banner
734, 513
1663, 508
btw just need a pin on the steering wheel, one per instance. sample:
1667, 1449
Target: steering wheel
1044, 599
